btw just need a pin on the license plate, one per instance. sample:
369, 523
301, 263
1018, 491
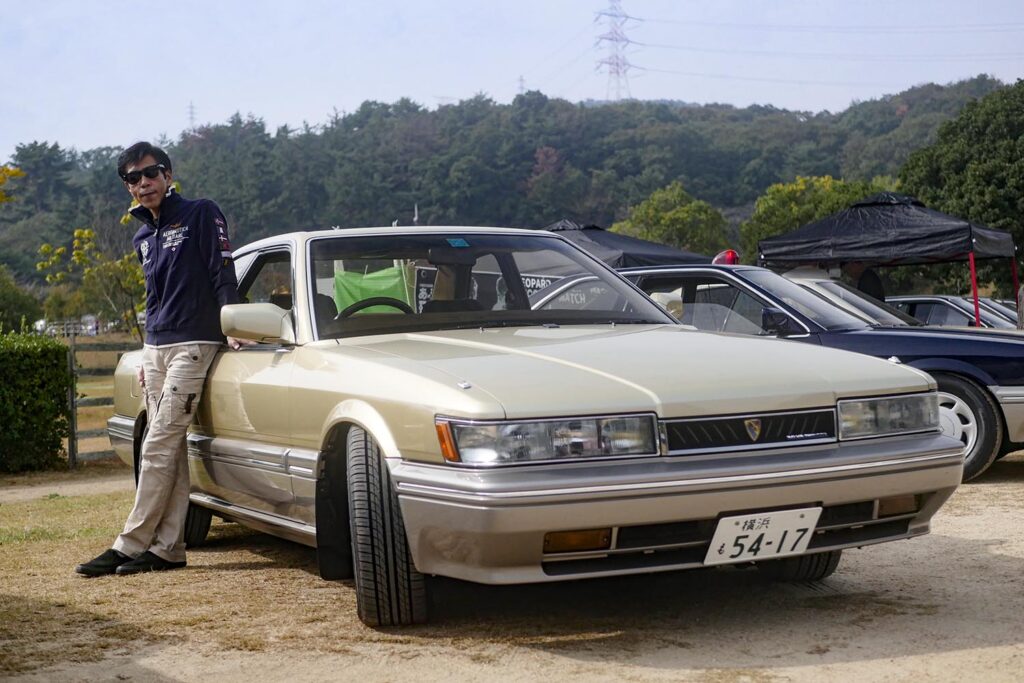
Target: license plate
762, 536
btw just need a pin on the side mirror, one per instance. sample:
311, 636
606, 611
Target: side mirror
258, 322
776, 321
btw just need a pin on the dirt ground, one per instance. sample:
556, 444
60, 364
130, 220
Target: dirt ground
946, 607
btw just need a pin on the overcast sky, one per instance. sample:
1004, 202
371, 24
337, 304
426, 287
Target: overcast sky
88, 73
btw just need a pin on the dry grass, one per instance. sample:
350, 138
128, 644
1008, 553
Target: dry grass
245, 594
49, 615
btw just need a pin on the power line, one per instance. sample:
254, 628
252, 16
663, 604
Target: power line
826, 28
728, 77
840, 56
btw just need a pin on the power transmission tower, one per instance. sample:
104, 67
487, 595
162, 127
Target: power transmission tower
616, 41
191, 116
522, 85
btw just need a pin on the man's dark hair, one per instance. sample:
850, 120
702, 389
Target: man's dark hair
137, 152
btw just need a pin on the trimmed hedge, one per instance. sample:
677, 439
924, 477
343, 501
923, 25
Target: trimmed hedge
34, 384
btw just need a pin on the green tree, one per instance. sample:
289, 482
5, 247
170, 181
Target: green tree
787, 206
975, 169
671, 216
16, 305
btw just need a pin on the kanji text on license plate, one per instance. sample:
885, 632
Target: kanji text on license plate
762, 536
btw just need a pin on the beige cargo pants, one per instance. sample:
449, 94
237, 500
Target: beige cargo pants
174, 377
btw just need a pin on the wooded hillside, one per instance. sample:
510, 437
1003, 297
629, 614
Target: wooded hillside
527, 163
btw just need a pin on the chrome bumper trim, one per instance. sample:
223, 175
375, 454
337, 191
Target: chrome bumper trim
121, 432
405, 487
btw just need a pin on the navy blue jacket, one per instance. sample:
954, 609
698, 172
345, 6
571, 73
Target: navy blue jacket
189, 271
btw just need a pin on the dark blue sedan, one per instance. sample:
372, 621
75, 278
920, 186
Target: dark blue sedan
980, 373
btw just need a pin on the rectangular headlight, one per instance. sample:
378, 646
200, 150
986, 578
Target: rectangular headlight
887, 416
507, 443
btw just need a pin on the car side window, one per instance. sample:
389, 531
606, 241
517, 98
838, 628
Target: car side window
269, 280
941, 314
707, 303
589, 295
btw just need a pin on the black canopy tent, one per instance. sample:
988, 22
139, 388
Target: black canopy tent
622, 251
890, 229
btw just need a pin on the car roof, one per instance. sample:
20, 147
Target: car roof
685, 266
306, 235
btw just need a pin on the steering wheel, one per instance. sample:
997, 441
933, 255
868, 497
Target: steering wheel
375, 301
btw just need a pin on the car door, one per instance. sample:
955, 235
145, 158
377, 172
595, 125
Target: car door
240, 445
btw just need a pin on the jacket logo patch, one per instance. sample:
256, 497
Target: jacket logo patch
753, 428
144, 250
174, 236
222, 236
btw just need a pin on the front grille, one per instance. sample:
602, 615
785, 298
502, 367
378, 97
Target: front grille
744, 432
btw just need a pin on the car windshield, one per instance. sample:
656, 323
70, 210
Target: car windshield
999, 308
414, 282
808, 304
877, 311
991, 318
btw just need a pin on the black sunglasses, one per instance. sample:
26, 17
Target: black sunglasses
133, 177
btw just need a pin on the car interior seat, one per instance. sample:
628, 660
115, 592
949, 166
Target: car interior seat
324, 309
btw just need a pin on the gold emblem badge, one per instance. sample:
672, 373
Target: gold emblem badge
753, 428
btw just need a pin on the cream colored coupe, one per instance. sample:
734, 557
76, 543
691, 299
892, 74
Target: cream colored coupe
497, 406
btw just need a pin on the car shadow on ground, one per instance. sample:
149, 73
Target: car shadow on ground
935, 594
892, 600
1005, 471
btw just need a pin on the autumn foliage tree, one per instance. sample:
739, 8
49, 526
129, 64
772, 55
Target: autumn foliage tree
6, 173
114, 282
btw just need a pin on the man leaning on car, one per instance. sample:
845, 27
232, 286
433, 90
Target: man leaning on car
189, 272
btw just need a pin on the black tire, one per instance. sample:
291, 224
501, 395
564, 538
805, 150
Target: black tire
137, 448
964, 406
389, 590
813, 567
333, 535
197, 525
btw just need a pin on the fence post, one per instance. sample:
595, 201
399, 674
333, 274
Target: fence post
73, 404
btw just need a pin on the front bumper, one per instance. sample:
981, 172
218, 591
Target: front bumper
488, 526
1011, 401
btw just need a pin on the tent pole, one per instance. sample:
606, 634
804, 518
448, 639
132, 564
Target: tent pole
1013, 270
974, 290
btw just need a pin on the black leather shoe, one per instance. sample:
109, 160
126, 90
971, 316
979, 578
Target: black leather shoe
147, 562
107, 563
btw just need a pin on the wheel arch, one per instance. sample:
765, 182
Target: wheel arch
331, 504
955, 367
982, 380
362, 414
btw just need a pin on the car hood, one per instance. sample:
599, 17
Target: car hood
667, 369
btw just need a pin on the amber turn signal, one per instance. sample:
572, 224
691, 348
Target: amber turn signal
897, 505
444, 437
576, 541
